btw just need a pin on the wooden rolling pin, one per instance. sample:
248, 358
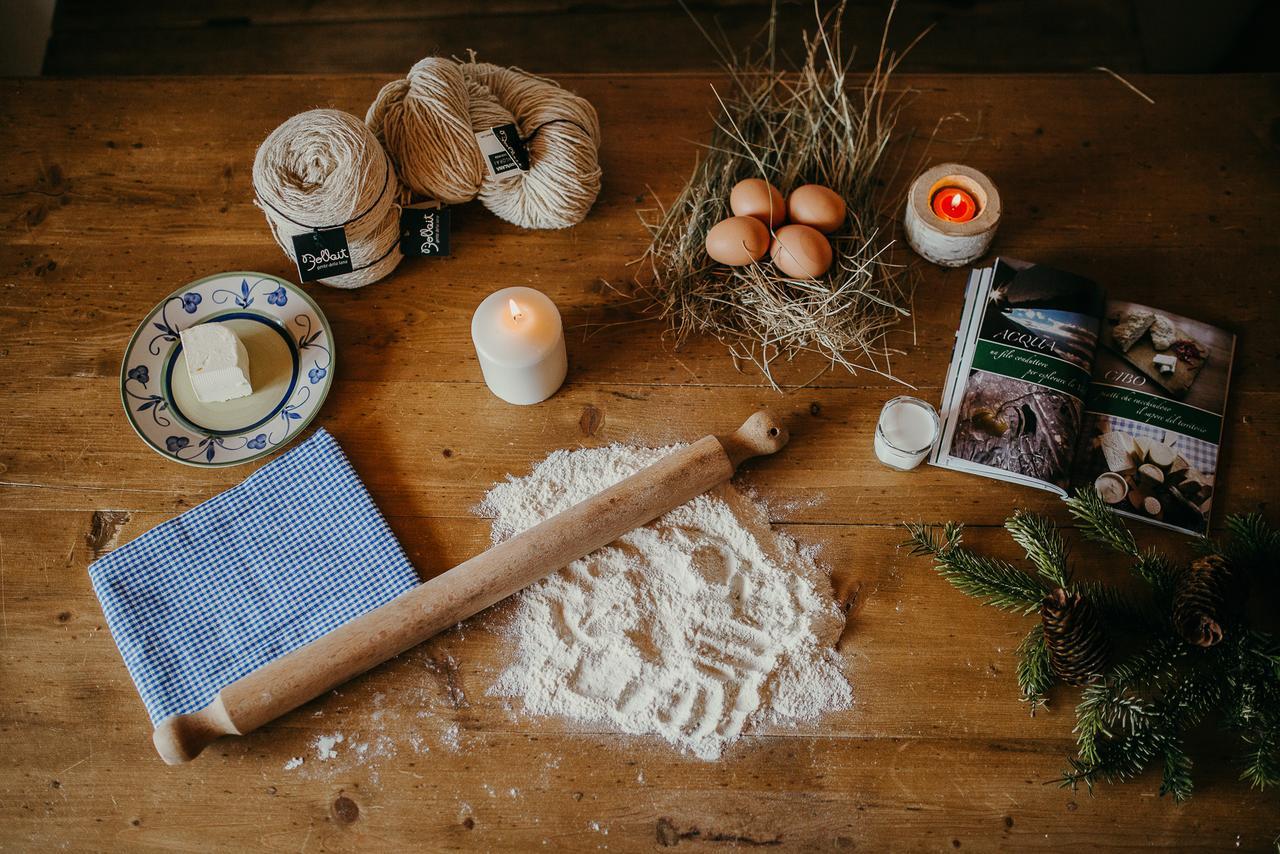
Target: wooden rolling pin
465, 590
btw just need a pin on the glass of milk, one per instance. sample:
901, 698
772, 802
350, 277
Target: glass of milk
906, 432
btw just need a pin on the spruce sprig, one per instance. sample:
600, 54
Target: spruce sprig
1099, 523
1137, 714
997, 582
1043, 543
1034, 676
1254, 542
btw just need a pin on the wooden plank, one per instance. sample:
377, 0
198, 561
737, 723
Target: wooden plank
76, 15
119, 191
107, 180
433, 448
326, 37
936, 748
177, 191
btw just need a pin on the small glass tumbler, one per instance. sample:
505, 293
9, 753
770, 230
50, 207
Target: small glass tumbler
905, 433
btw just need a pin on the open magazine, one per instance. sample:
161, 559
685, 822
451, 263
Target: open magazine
1054, 386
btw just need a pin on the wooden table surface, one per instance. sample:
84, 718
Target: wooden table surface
116, 192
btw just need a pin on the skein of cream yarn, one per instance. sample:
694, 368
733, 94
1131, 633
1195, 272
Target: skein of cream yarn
429, 119
324, 168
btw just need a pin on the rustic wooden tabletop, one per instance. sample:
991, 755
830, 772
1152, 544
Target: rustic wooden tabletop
116, 192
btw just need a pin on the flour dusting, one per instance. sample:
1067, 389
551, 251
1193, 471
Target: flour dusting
324, 745
694, 627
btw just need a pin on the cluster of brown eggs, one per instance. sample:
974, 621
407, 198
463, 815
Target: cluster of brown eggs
800, 249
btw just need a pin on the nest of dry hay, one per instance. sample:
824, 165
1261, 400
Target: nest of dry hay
790, 128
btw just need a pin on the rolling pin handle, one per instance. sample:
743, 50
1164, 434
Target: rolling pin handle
180, 738
759, 435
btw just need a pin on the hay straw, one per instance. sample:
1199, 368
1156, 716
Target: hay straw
791, 128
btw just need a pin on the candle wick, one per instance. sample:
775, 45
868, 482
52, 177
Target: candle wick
516, 312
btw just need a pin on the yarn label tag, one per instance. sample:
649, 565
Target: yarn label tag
424, 231
503, 149
322, 253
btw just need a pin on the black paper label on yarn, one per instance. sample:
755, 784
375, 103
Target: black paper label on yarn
503, 149
424, 232
322, 253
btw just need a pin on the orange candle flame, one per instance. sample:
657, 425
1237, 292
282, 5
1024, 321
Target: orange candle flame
516, 311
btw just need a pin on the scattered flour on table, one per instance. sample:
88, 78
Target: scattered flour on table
693, 627
324, 745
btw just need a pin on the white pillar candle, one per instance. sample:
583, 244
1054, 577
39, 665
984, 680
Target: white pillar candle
907, 429
519, 340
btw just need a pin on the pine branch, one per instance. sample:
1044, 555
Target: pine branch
997, 582
1105, 711
1159, 572
1262, 762
1188, 701
1034, 675
1115, 760
1111, 707
1151, 666
1138, 714
1176, 780
1043, 543
932, 539
1116, 609
1252, 673
1119, 734
1098, 522
1255, 543
1264, 650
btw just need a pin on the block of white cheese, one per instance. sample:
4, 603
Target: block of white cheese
1165, 363
217, 363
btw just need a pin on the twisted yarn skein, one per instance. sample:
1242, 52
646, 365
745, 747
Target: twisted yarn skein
324, 168
429, 119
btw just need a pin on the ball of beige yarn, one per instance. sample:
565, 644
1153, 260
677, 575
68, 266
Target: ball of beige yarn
324, 168
429, 119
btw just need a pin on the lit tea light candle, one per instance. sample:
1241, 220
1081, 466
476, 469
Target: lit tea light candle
905, 434
951, 215
519, 340
954, 205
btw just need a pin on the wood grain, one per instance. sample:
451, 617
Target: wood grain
117, 192
242, 37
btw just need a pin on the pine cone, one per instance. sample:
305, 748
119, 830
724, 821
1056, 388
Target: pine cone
1207, 593
1078, 647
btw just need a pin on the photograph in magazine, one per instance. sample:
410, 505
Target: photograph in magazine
1022, 407
1153, 421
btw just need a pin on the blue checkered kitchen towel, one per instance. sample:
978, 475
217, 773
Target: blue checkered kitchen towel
296, 550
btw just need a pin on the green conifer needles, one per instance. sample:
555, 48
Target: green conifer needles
1146, 685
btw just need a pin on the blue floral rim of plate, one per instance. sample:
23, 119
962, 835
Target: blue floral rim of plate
152, 352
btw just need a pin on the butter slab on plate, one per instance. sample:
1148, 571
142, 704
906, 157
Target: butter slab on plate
291, 362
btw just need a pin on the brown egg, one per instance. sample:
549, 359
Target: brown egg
760, 199
800, 252
817, 207
738, 240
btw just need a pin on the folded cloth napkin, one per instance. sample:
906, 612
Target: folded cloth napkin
296, 550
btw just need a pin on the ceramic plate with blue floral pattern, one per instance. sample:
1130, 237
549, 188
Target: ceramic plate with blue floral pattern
290, 366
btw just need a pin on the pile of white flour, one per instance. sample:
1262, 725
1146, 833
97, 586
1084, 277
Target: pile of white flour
692, 627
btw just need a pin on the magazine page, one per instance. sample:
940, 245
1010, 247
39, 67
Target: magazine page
961, 356
1154, 415
1017, 405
